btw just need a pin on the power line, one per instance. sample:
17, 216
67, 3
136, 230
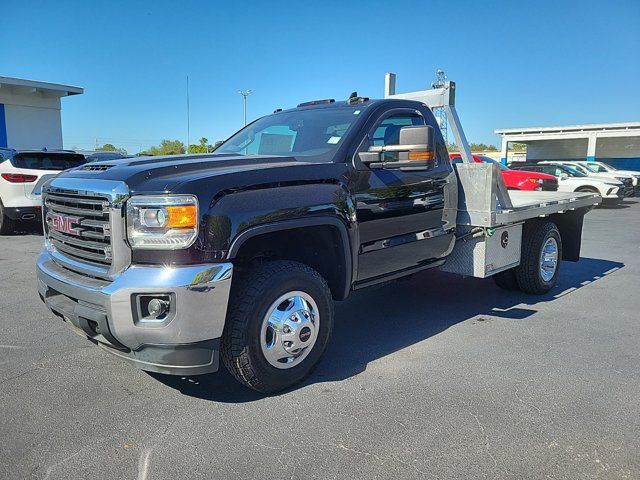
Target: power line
188, 117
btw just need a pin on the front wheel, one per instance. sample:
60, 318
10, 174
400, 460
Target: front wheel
279, 323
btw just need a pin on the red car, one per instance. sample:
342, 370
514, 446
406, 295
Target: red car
517, 179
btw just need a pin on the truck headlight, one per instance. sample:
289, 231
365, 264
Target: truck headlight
162, 222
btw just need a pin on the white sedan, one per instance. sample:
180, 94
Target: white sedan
22, 174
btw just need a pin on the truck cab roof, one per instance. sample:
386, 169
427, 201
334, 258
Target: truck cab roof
362, 102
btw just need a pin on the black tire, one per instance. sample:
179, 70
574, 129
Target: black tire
506, 280
250, 299
7, 225
528, 275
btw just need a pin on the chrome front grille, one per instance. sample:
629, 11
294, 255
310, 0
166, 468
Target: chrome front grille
79, 226
85, 225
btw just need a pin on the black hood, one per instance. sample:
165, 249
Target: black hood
165, 174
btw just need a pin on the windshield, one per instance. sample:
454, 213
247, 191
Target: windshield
599, 167
606, 167
572, 172
47, 161
310, 135
595, 168
581, 169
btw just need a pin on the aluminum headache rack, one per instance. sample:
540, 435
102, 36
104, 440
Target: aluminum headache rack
490, 218
483, 198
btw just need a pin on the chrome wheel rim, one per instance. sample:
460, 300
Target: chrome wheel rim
289, 329
549, 259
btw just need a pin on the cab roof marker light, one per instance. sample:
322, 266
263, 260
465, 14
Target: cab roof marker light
316, 102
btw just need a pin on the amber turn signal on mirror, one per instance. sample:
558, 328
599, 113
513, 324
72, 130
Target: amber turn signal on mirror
421, 155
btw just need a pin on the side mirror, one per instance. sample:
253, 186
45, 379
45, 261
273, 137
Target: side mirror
416, 138
563, 176
415, 150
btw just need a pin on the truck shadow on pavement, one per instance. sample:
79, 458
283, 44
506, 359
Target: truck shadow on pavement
626, 203
379, 321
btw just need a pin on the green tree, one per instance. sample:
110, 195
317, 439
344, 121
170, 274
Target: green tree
517, 146
166, 147
475, 147
481, 147
202, 146
109, 147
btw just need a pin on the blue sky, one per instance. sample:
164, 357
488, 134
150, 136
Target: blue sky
515, 63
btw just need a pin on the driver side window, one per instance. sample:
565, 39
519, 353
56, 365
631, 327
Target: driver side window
388, 131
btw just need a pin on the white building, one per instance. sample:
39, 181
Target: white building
614, 143
30, 113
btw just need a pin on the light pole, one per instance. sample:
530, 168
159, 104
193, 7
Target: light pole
245, 94
188, 118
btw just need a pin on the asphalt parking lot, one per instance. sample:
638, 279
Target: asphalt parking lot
435, 377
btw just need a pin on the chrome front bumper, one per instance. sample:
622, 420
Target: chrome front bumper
185, 343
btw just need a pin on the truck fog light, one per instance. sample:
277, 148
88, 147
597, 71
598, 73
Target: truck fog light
157, 307
154, 308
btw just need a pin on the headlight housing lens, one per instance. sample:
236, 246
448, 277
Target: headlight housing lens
162, 222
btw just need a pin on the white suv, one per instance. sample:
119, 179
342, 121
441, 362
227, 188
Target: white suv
22, 174
602, 167
629, 181
572, 180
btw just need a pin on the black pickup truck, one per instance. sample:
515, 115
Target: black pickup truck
171, 262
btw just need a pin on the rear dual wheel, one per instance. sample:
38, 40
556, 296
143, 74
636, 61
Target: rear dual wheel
539, 260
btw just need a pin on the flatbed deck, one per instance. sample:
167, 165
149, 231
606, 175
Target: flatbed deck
535, 204
524, 206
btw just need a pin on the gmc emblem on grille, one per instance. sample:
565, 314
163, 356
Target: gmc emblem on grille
64, 224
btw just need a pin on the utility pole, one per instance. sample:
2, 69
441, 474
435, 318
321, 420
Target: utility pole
188, 118
245, 94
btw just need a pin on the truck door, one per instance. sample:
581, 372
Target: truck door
400, 213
